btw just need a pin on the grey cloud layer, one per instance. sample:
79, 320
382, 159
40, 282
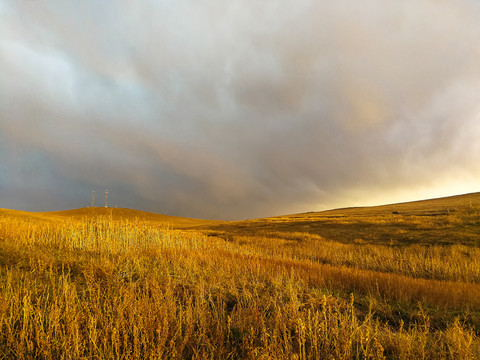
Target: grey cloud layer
233, 109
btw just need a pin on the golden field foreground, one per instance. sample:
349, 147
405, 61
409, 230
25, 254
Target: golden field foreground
391, 282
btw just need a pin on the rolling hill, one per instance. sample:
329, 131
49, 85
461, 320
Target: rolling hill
113, 213
449, 220
123, 213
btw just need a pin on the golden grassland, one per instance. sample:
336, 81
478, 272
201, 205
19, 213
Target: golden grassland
393, 282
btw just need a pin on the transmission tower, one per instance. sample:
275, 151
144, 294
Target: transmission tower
93, 198
106, 198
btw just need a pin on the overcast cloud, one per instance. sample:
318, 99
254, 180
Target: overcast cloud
240, 108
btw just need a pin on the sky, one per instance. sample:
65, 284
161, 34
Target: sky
237, 109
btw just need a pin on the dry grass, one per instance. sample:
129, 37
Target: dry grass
113, 287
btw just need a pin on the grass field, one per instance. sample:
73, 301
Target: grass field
399, 281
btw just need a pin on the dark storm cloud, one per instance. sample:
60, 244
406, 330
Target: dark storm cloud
237, 109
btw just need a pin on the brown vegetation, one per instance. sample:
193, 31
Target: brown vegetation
326, 285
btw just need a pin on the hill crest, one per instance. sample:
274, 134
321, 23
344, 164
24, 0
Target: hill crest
435, 206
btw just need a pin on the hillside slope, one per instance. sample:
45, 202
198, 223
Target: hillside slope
449, 220
113, 213
123, 213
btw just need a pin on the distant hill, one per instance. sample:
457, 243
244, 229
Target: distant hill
436, 206
448, 220
115, 213
430, 207
123, 213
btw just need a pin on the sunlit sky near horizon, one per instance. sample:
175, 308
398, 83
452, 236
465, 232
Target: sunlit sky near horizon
237, 109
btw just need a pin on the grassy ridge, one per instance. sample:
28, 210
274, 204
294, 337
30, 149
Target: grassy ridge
306, 286
446, 221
